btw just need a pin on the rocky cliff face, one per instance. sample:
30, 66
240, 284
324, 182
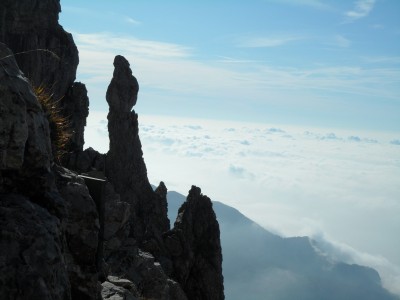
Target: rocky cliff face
31, 252
64, 236
47, 55
44, 51
32, 259
32, 264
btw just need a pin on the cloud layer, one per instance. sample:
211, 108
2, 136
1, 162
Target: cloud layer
291, 180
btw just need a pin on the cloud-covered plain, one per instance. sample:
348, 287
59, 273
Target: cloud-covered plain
291, 180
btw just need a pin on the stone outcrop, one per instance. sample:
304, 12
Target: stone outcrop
191, 252
32, 264
194, 244
60, 237
24, 129
116, 219
118, 290
128, 172
48, 57
51, 232
144, 272
25, 149
44, 51
85, 161
81, 230
75, 106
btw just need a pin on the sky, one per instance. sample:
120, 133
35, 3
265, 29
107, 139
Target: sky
286, 110
323, 63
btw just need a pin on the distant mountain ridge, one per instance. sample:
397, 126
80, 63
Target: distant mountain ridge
258, 264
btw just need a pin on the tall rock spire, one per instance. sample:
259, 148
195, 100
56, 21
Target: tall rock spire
125, 167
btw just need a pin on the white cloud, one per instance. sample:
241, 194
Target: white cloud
132, 21
266, 42
341, 41
240, 172
340, 252
382, 59
105, 42
377, 26
319, 4
171, 73
231, 60
362, 8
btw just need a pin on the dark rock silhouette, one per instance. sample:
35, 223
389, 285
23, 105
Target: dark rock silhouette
61, 262
76, 109
25, 149
194, 244
31, 252
117, 216
144, 272
48, 57
85, 161
81, 229
128, 172
44, 51
60, 239
24, 128
32, 240
148, 209
62, 236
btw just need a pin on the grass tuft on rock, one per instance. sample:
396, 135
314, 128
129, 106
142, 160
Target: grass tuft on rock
60, 132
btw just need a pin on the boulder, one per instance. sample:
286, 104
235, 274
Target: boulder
144, 272
113, 291
85, 161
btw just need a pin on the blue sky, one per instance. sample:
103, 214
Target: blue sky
288, 110
321, 63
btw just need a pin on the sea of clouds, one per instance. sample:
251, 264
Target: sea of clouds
339, 187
